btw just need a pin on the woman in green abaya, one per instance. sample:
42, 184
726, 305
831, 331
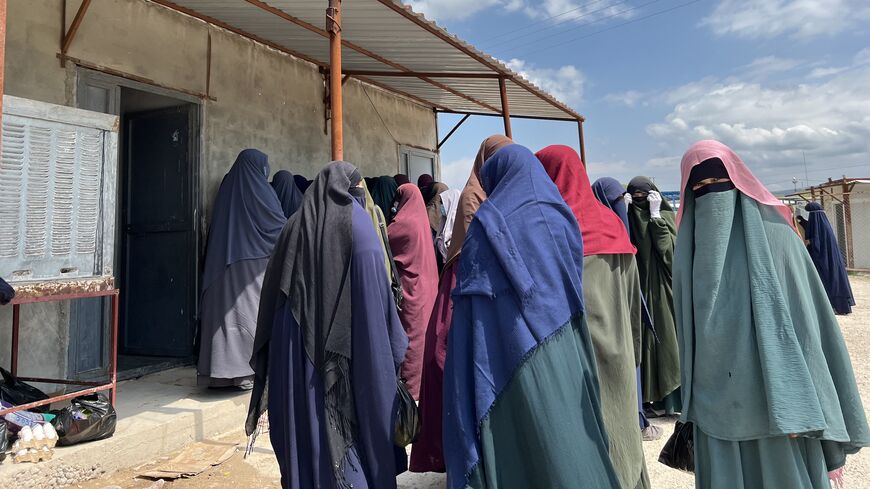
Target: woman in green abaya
767, 380
653, 233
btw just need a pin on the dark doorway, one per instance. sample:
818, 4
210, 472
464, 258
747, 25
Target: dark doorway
156, 250
158, 241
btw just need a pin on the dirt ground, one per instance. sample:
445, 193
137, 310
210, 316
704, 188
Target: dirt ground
261, 471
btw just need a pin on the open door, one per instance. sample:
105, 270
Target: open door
159, 246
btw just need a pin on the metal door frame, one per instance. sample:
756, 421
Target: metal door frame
86, 76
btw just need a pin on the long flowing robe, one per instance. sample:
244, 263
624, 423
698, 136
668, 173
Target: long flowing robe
660, 362
329, 344
767, 380
428, 452
247, 219
828, 260
414, 255
520, 363
298, 424
610, 192
613, 309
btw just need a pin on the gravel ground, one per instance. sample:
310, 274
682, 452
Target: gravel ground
261, 471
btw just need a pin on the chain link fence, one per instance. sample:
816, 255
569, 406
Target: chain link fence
847, 204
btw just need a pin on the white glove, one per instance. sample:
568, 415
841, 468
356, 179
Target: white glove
627, 198
655, 204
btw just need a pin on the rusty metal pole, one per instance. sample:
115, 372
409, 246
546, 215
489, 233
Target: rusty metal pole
333, 26
582, 142
505, 108
2, 55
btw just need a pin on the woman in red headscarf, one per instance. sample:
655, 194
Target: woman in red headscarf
613, 309
411, 244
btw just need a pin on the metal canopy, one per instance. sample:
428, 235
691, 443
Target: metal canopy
386, 44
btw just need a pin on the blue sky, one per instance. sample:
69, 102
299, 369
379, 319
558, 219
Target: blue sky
776, 80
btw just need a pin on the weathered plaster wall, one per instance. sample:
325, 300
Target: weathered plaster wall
262, 99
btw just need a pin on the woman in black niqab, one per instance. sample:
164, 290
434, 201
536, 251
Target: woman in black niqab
247, 219
329, 344
288, 193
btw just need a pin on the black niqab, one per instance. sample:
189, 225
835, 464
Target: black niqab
288, 193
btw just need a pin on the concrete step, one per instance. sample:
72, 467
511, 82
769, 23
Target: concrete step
157, 414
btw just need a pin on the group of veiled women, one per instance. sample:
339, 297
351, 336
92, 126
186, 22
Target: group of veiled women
537, 318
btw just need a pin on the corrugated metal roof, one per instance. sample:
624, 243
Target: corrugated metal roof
381, 39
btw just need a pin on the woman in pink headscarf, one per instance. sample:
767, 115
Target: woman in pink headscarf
411, 244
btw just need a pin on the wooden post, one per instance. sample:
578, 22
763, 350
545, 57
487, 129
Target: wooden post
505, 107
582, 142
333, 26
2, 57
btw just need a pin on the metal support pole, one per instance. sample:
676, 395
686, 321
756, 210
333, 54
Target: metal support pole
582, 142
441, 143
16, 323
505, 107
73, 29
333, 26
114, 298
2, 54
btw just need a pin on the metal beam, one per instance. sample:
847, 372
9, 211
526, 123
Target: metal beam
74, 27
365, 52
423, 74
505, 108
464, 48
2, 59
497, 113
333, 25
130, 76
239, 32
582, 143
441, 143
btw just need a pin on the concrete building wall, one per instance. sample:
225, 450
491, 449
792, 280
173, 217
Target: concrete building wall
262, 98
860, 204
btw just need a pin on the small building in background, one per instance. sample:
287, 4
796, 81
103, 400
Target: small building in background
847, 204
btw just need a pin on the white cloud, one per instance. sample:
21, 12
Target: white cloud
562, 11
452, 9
772, 126
628, 99
800, 19
455, 173
762, 68
565, 83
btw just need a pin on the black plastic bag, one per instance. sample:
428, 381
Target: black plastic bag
679, 451
4, 440
407, 419
17, 393
88, 418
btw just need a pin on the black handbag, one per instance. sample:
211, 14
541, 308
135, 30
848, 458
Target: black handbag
679, 451
407, 418
395, 280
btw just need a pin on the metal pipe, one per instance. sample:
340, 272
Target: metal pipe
423, 74
333, 25
498, 114
74, 27
582, 143
113, 360
452, 131
16, 323
505, 107
2, 54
